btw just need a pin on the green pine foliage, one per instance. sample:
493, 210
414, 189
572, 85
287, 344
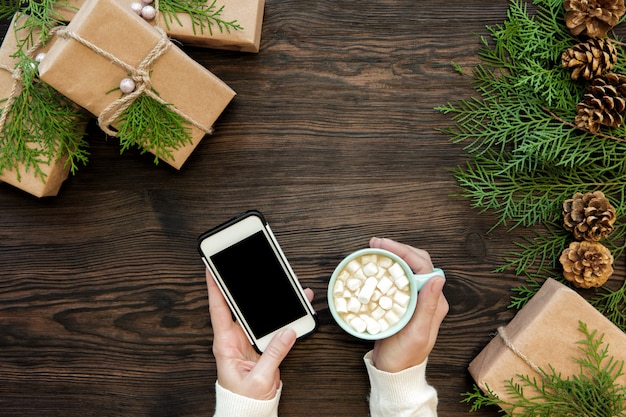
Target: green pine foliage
152, 126
525, 155
593, 392
41, 127
204, 16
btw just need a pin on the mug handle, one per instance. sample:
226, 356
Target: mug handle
421, 279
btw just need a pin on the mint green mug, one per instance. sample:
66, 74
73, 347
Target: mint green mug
372, 294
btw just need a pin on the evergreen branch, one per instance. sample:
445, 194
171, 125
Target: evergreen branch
525, 157
42, 17
203, 15
41, 128
593, 392
8, 8
153, 127
613, 305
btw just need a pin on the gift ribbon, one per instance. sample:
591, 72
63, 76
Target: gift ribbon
507, 341
140, 75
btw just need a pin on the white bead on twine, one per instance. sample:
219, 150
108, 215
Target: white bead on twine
148, 12
40, 56
147, 1
136, 7
127, 85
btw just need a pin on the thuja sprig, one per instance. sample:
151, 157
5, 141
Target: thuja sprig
42, 16
612, 303
203, 15
152, 126
593, 392
525, 156
41, 127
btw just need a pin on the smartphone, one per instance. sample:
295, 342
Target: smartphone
256, 279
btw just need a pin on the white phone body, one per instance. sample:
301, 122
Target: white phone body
256, 279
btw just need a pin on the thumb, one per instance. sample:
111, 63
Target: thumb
276, 351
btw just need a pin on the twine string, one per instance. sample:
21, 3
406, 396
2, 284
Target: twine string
16, 75
140, 75
507, 341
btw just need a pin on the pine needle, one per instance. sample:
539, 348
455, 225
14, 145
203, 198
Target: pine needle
525, 155
204, 16
152, 126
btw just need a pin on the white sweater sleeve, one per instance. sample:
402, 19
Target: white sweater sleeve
229, 404
401, 394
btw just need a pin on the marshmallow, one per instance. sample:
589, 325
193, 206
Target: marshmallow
402, 282
401, 298
370, 269
360, 275
373, 327
366, 259
384, 285
358, 324
376, 296
385, 262
353, 266
353, 284
383, 324
367, 290
396, 271
391, 317
341, 305
378, 313
339, 287
385, 303
354, 305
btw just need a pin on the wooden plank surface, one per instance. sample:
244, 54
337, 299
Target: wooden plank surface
334, 137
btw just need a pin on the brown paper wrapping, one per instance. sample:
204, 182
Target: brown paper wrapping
248, 13
546, 332
87, 78
21, 178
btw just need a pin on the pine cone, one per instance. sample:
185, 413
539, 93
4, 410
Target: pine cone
587, 264
589, 216
593, 18
604, 103
590, 59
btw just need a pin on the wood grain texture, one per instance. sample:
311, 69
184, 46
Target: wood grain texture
334, 136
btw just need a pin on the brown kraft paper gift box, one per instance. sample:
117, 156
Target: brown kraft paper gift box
88, 77
56, 172
247, 13
545, 331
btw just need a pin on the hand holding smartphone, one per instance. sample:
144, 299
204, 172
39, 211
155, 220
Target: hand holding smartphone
256, 279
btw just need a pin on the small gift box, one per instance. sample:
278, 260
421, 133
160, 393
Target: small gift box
224, 24
105, 45
544, 333
44, 176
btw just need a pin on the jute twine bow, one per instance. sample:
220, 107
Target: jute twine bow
140, 75
505, 338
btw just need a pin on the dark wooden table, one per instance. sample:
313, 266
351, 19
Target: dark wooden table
334, 137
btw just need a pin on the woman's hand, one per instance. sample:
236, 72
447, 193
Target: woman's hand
240, 369
412, 345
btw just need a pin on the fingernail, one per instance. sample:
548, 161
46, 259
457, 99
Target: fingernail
287, 336
438, 284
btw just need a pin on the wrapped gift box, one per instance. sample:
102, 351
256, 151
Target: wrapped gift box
247, 13
26, 179
545, 331
87, 77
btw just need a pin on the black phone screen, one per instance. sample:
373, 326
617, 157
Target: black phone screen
258, 284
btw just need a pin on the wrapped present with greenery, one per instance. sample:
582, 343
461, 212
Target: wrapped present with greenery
144, 89
41, 132
220, 24
558, 356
